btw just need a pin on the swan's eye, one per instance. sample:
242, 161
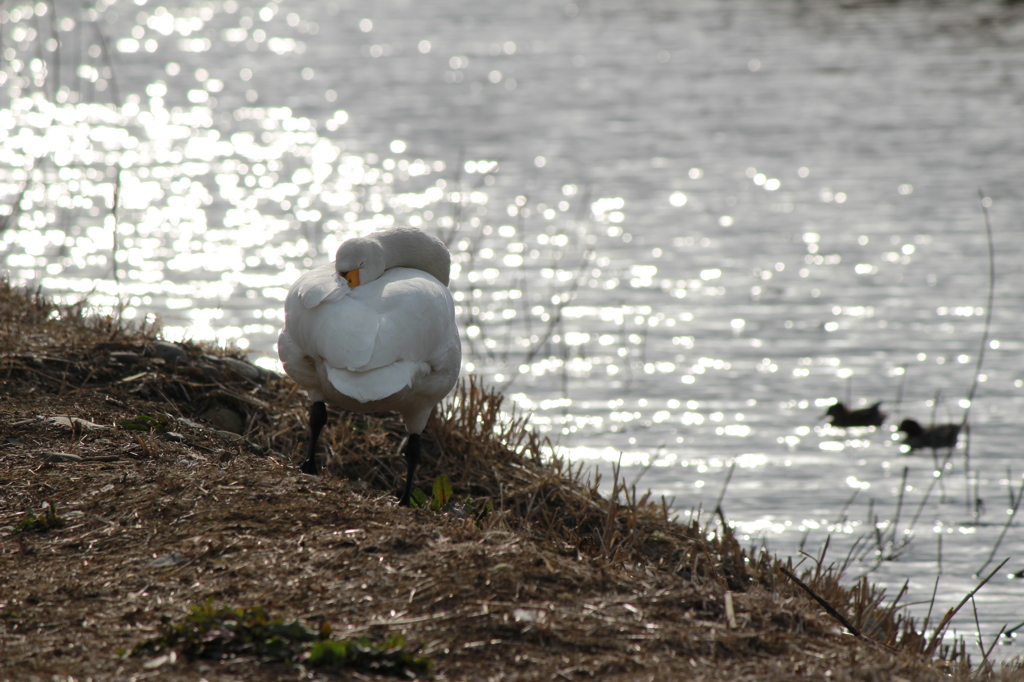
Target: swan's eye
352, 277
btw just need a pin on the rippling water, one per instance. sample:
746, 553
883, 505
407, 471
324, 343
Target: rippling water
681, 230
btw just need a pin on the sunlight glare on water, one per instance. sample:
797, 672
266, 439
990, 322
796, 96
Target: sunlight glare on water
679, 235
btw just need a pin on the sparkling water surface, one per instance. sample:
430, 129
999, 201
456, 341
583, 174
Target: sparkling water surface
680, 230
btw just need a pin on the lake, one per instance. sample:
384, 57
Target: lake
680, 231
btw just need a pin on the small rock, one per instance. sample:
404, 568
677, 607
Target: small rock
243, 369
212, 373
225, 419
171, 353
158, 661
266, 375
168, 560
528, 615
59, 457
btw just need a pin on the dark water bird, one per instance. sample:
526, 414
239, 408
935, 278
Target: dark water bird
375, 332
935, 437
844, 417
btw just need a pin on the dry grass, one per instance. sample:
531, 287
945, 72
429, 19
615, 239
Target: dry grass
555, 582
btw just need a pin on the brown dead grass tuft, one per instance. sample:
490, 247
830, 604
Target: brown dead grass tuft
557, 581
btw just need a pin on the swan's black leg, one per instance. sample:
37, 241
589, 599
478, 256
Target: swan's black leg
317, 419
412, 458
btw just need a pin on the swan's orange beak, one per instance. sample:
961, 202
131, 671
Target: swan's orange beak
352, 277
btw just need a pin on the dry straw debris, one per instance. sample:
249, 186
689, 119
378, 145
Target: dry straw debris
161, 481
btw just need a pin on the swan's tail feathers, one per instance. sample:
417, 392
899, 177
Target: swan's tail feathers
319, 286
376, 384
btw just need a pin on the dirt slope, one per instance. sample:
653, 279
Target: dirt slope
125, 500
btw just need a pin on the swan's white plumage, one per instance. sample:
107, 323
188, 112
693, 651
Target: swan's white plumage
387, 344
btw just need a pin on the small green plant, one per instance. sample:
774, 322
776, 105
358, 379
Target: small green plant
364, 655
443, 494
443, 500
224, 632
210, 632
40, 524
145, 423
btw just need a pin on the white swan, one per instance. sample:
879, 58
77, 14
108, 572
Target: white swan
374, 332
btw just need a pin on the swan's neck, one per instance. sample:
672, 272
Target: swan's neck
406, 247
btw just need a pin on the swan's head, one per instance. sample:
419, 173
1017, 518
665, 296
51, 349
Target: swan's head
360, 261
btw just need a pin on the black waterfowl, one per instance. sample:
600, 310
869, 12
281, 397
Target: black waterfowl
935, 437
844, 417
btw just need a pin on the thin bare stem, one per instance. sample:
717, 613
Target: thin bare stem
556, 317
824, 604
725, 486
846, 507
984, 341
52, 11
899, 394
115, 93
937, 637
931, 604
113, 213
988, 308
899, 508
977, 624
1006, 526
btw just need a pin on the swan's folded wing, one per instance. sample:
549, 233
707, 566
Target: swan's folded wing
345, 334
319, 285
417, 323
327, 324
